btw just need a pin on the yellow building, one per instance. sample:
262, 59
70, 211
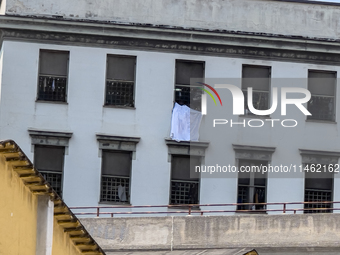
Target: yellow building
33, 218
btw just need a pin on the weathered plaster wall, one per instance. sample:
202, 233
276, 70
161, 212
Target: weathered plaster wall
258, 16
84, 115
18, 214
204, 232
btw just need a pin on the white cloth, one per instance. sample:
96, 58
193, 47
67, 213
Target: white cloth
185, 123
121, 193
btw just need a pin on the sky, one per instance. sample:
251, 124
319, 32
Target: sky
335, 1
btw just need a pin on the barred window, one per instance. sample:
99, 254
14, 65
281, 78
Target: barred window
186, 93
115, 180
184, 190
52, 81
49, 160
321, 85
318, 188
120, 81
252, 186
258, 78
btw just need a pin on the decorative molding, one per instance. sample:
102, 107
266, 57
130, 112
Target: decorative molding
50, 138
186, 148
319, 157
171, 39
121, 143
253, 152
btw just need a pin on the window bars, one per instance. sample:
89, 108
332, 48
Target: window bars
52, 88
55, 180
110, 189
119, 93
184, 192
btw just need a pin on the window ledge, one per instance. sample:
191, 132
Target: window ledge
321, 121
49, 133
204, 144
51, 102
119, 107
121, 204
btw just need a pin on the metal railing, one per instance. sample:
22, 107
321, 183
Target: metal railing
190, 209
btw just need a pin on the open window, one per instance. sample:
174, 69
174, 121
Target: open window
318, 188
115, 178
184, 180
258, 78
53, 70
184, 189
321, 85
319, 168
120, 81
186, 93
252, 186
252, 181
117, 153
49, 160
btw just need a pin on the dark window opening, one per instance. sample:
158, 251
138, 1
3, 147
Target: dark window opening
53, 69
321, 85
318, 188
49, 160
120, 81
184, 189
252, 185
258, 78
115, 181
186, 93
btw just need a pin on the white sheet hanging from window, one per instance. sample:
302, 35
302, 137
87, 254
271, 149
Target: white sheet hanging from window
185, 123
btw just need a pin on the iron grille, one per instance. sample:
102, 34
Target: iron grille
244, 197
55, 180
119, 93
52, 88
318, 196
184, 192
260, 101
321, 108
189, 96
109, 189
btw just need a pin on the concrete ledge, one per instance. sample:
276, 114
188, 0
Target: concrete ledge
216, 232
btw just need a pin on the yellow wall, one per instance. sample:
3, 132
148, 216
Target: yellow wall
62, 244
18, 210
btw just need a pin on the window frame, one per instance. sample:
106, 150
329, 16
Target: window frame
252, 153
252, 186
128, 202
184, 148
66, 77
119, 144
334, 95
187, 85
318, 157
134, 81
245, 91
52, 172
197, 181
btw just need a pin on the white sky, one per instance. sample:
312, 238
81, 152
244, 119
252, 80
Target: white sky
335, 1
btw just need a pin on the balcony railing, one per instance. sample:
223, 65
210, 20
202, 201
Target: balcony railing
189, 209
52, 88
317, 196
